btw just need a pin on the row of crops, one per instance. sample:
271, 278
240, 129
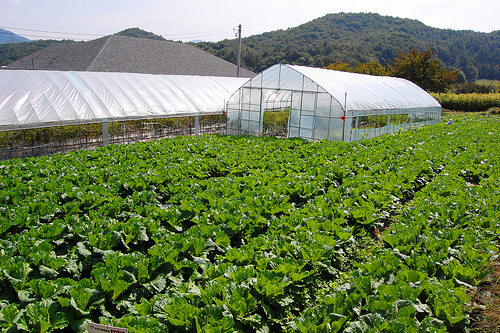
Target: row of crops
224, 234
470, 102
32, 142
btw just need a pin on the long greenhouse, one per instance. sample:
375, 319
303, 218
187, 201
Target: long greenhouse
328, 104
42, 112
34, 99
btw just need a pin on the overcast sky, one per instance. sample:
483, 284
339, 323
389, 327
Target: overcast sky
214, 20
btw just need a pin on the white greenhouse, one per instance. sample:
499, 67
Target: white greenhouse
34, 99
327, 104
42, 112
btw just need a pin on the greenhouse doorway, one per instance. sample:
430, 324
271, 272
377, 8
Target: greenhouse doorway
277, 104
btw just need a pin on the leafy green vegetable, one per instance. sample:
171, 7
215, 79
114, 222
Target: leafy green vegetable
223, 234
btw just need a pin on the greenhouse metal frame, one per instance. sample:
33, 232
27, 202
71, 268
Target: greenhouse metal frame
327, 104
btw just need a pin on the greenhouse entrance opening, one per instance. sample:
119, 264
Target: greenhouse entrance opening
326, 104
276, 113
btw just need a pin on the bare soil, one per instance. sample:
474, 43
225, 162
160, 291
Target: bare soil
486, 314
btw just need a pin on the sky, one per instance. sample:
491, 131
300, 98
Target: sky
213, 20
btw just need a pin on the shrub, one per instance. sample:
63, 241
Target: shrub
474, 87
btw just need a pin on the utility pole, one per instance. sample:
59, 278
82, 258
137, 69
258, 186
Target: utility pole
239, 52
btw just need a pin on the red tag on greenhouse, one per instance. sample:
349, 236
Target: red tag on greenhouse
343, 118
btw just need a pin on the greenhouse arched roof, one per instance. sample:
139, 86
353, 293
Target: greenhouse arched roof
368, 92
31, 98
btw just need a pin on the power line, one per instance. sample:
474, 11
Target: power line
202, 32
62, 35
197, 36
51, 34
54, 32
34, 37
44, 36
193, 36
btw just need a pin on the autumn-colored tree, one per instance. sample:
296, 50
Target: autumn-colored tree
422, 69
372, 68
419, 67
341, 66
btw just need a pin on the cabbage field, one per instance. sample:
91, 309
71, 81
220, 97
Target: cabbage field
241, 234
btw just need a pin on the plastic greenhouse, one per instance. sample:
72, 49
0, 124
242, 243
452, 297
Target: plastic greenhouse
33, 99
327, 104
43, 112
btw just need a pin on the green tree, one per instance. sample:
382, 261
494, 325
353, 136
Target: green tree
372, 68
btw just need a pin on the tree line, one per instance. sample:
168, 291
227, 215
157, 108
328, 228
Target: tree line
344, 37
364, 38
419, 67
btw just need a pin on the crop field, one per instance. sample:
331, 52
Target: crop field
239, 234
472, 102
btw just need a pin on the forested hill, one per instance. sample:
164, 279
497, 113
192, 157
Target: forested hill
354, 38
139, 33
10, 52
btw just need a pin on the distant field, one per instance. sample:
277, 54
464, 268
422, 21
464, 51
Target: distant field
232, 233
472, 102
494, 84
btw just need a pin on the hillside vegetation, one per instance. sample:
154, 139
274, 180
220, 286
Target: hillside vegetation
139, 33
10, 52
352, 38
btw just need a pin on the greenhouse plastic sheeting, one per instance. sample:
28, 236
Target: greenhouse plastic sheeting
30, 99
369, 92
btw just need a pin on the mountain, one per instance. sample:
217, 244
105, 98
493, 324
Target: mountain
7, 36
10, 52
365, 37
139, 33
125, 54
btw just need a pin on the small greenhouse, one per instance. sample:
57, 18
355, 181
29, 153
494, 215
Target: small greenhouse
327, 104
